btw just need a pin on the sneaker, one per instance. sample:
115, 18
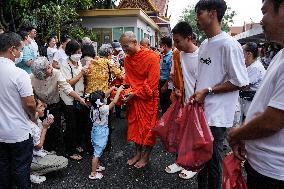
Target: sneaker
36, 179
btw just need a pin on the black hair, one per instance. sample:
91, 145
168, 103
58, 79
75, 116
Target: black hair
65, 38
276, 4
23, 34
252, 47
30, 28
8, 40
183, 28
94, 96
88, 50
72, 46
219, 5
167, 41
49, 39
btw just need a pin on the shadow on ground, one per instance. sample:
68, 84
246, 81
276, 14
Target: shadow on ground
118, 174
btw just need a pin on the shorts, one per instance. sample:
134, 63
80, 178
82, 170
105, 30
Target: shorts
99, 137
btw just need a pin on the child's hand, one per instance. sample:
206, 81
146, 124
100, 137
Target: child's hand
120, 88
48, 121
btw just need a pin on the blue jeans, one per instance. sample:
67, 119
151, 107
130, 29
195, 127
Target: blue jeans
210, 177
15, 164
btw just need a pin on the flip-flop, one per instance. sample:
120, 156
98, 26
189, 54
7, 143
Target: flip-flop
100, 168
185, 174
173, 168
96, 176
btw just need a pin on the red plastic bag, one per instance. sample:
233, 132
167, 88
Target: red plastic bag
196, 140
167, 128
232, 175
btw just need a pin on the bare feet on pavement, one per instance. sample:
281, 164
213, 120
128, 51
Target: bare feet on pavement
134, 159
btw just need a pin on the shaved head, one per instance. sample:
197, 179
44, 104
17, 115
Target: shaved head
128, 43
145, 42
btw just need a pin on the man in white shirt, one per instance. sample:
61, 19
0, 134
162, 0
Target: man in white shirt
33, 45
17, 107
221, 73
188, 56
263, 133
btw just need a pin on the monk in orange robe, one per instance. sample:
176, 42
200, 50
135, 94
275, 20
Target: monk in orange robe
142, 73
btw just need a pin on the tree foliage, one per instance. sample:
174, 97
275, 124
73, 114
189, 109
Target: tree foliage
189, 16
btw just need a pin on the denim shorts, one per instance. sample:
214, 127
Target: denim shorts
99, 137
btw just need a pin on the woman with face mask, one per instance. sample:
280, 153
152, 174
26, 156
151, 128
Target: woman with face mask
76, 116
27, 55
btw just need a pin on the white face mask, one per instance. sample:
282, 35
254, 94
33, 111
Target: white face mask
76, 57
17, 60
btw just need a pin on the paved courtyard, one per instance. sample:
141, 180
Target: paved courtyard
118, 174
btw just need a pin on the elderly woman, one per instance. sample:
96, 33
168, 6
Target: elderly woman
46, 82
101, 71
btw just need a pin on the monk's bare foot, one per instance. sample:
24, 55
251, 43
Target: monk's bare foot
134, 159
142, 162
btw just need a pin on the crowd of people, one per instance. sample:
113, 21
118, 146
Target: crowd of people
57, 106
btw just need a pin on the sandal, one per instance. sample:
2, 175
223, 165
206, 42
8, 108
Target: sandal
100, 168
75, 157
96, 176
184, 174
173, 168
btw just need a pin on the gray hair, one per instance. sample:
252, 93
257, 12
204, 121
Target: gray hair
39, 67
105, 50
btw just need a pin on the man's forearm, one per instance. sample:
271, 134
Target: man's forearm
263, 125
224, 88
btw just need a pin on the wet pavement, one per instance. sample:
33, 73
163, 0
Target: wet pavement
118, 174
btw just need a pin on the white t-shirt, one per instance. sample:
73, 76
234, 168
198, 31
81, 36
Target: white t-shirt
60, 56
100, 117
189, 65
33, 45
50, 53
266, 155
66, 73
221, 59
256, 72
15, 83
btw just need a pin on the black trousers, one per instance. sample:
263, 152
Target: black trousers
165, 101
210, 177
78, 129
256, 180
15, 164
54, 136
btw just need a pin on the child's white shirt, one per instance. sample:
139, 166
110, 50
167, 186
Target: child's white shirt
36, 133
100, 117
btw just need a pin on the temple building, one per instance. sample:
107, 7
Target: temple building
146, 18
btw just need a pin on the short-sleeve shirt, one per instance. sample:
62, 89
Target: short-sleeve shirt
266, 155
50, 53
65, 69
100, 117
28, 54
221, 59
189, 64
60, 56
256, 72
15, 84
165, 66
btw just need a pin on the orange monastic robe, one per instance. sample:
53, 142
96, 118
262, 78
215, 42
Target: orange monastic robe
142, 73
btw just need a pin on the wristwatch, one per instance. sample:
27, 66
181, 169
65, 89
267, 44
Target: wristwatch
210, 90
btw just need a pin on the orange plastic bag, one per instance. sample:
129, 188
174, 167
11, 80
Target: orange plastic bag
232, 176
167, 128
196, 140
